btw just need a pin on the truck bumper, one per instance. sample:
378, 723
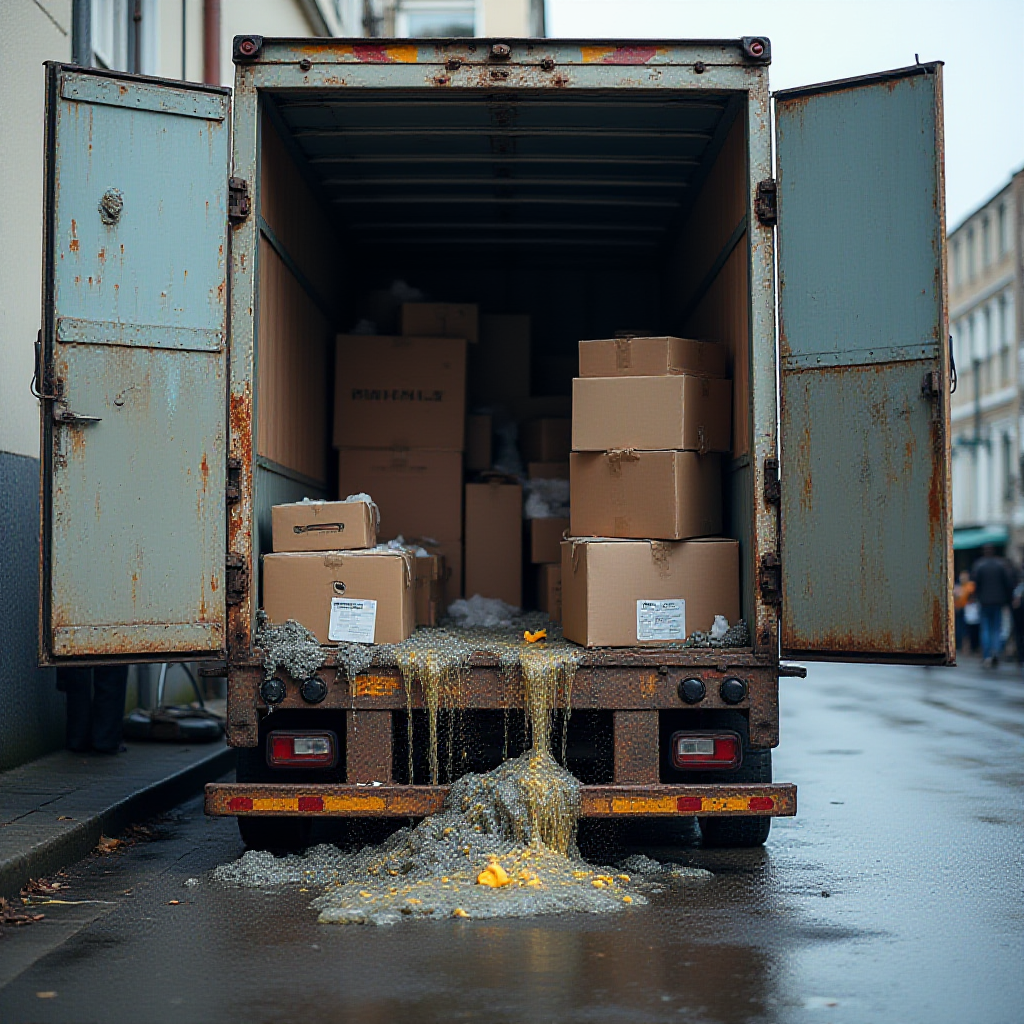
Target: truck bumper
390, 801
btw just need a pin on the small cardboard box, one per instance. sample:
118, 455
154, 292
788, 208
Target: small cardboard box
547, 470
419, 493
479, 431
494, 541
357, 596
324, 525
450, 553
546, 540
651, 413
430, 570
499, 367
440, 320
628, 593
395, 392
652, 357
545, 440
549, 591
645, 495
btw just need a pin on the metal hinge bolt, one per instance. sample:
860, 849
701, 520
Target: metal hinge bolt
236, 578
772, 485
233, 489
239, 203
769, 578
766, 202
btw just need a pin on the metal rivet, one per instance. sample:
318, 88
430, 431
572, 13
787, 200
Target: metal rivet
305, 64
699, 68
501, 51
757, 48
453, 63
547, 64
247, 47
111, 205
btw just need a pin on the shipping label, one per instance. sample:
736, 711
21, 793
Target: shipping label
661, 620
352, 621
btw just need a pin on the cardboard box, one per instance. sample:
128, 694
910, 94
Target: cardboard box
323, 526
652, 357
651, 413
549, 591
546, 540
332, 593
395, 392
440, 320
450, 551
419, 493
547, 470
430, 570
628, 593
479, 432
499, 367
646, 495
545, 440
494, 541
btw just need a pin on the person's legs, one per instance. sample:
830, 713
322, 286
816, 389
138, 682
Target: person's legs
991, 624
960, 625
76, 684
110, 685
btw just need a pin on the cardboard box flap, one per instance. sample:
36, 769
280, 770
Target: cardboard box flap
649, 357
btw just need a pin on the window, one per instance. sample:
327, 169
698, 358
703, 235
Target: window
1004, 230
957, 275
435, 18
986, 241
124, 36
970, 254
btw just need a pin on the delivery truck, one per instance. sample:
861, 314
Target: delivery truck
203, 247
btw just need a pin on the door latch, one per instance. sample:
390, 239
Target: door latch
772, 485
236, 578
63, 415
769, 578
766, 202
931, 391
239, 203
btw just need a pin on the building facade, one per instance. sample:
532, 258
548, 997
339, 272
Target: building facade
986, 315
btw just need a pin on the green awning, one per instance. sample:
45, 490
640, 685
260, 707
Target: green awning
978, 536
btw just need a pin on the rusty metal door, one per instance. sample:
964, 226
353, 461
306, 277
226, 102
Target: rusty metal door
865, 511
133, 368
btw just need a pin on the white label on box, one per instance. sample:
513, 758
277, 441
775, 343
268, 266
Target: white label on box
661, 620
352, 621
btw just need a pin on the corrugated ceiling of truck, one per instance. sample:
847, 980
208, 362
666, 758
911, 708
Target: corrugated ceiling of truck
594, 173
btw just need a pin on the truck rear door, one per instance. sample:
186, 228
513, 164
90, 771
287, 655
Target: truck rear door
133, 367
865, 531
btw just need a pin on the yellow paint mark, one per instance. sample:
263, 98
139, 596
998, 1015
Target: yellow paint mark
644, 805
648, 684
363, 804
404, 54
596, 54
725, 803
376, 686
275, 803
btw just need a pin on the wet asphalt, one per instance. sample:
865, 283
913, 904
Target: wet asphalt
895, 895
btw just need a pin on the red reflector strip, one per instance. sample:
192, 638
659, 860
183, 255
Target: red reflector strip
240, 803
688, 804
762, 803
311, 803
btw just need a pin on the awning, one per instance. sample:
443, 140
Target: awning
978, 536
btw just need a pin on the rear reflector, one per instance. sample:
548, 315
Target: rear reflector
702, 750
302, 749
240, 803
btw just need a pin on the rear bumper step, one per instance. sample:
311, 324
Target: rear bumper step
390, 801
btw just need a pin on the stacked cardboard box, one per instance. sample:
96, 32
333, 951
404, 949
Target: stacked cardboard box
650, 418
494, 540
400, 421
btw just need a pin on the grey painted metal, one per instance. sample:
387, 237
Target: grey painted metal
866, 539
134, 552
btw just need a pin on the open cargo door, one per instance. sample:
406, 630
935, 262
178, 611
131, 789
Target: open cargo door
865, 531
132, 369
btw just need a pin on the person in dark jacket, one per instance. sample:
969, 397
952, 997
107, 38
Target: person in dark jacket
995, 580
95, 707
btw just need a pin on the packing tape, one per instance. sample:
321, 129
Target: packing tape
616, 455
660, 553
623, 353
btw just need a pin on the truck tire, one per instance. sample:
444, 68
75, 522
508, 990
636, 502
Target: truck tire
279, 835
745, 831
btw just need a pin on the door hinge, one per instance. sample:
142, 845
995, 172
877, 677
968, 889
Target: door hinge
772, 485
233, 489
769, 578
766, 202
236, 578
239, 204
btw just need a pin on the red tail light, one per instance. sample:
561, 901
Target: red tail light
706, 750
302, 749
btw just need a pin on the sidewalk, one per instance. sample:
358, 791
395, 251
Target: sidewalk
54, 810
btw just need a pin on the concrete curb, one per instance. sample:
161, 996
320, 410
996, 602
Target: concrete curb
54, 852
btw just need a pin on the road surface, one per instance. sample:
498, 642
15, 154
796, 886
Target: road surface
895, 895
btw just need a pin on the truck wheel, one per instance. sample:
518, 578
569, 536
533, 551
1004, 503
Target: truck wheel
279, 835
745, 831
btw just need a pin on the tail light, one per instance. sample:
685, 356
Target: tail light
302, 749
706, 750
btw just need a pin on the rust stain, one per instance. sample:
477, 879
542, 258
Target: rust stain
102, 255
77, 437
374, 686
204, 469
648, 684
135, 582
213, 583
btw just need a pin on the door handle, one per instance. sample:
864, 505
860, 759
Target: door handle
65, 416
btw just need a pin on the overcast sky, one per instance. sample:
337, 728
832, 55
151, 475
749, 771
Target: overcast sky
981, 42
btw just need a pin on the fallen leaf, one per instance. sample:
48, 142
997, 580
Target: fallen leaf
107, 845
46, 995
64, 817
9, 915
532, 638
173, 903
40, 887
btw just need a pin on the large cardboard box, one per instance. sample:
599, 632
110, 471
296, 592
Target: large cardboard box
549, 591
627, 593
546, 540
419, 493
545, 440
356, 596
652, 357
499, 367
494, 541
479, 433
450, 552
393, 392
323, 526
651, 413
430, 570
547, 470
440, 320
646, 495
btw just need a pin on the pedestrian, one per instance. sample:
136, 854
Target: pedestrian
1017, 610
95, 707
963, 594
994, 579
